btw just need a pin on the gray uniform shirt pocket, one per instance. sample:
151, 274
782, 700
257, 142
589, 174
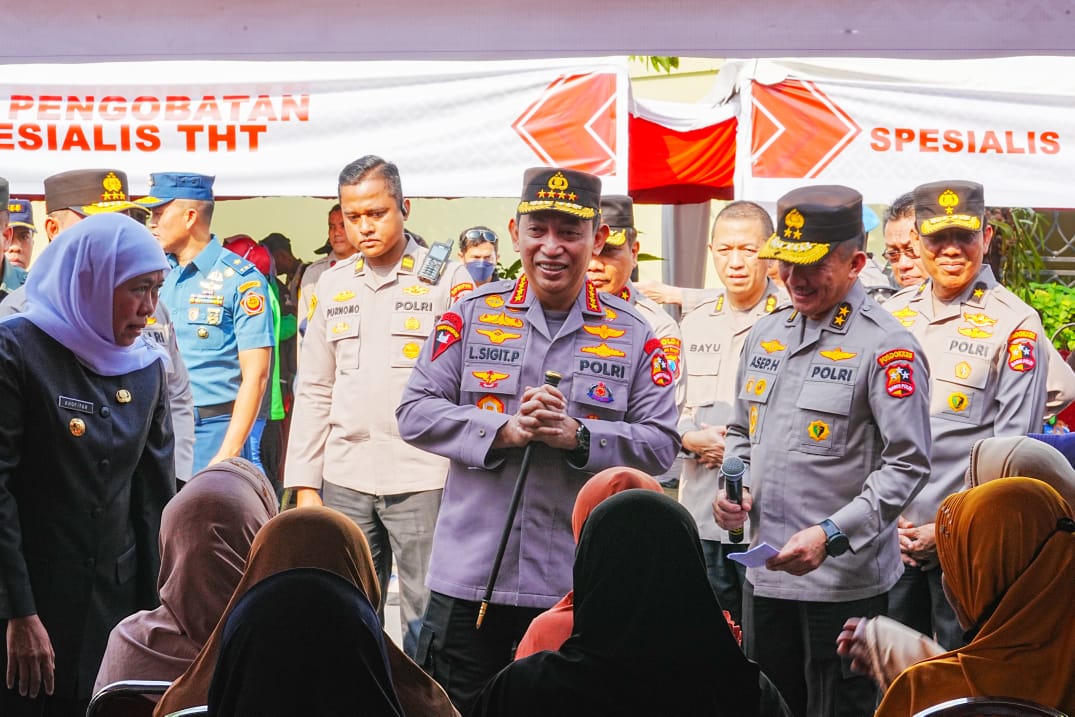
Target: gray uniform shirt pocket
961, 390
822, 418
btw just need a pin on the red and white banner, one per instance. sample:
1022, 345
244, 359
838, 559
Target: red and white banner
682, 153
885, 126
454, 128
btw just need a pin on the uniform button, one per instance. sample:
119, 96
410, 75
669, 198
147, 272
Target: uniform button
104, 464
105, 411
603, 442
89, 562
481, 432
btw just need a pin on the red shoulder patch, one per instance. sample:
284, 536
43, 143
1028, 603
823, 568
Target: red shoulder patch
447, 332
1021, 346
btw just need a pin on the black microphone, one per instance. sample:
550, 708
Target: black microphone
732, 470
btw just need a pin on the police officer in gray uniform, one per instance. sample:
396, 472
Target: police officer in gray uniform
831, 417
713, 333
610, 271
988, 368
371, 315
478, 397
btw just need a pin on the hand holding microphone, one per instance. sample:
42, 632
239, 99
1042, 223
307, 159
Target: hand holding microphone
732, 470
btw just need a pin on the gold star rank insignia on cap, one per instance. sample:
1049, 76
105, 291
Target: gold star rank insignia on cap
795, 222
949, 200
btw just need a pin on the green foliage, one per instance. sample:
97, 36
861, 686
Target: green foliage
658, 63
1056, 305
1019, 238
510, 271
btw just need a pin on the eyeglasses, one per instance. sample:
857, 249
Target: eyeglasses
893, 255
477, 236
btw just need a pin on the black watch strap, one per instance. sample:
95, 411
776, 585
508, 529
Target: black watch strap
836, 542
580, 454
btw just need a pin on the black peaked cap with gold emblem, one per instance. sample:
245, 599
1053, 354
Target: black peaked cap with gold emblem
618, 211
810, 220
953, 203
560, 190
88, 191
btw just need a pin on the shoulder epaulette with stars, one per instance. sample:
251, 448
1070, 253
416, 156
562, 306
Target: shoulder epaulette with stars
240, 265
841, 316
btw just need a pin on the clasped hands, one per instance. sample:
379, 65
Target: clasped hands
542, 416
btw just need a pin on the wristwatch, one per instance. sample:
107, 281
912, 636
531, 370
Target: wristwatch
580, 454
836, 543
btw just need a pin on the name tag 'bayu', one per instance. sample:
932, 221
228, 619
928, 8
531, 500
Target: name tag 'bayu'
75, 404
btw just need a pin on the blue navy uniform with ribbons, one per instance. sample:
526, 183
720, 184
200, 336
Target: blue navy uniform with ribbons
219, 303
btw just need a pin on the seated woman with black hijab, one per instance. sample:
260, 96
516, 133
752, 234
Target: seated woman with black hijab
279, 658
649, 635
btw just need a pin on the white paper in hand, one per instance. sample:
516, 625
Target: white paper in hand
755, 557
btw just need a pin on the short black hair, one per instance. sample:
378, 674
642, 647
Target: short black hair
362, 168
902, 207
747, 210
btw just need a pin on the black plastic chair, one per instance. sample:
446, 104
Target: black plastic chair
988, 707
126, 698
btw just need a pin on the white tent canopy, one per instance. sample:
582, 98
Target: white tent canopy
62, 31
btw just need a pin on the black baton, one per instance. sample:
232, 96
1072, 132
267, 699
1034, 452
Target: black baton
552, 379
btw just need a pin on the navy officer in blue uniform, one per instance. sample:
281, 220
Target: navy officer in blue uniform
219, 302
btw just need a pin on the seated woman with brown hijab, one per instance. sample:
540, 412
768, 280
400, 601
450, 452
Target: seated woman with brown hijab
882, 647
312, 537
548, 630
649, 636
279, 658
206, 532
1007, 549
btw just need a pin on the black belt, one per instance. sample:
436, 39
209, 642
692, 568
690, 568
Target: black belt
218, 409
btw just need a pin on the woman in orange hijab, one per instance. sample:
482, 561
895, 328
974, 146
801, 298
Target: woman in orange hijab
312, 537
549, 629
1007, 550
